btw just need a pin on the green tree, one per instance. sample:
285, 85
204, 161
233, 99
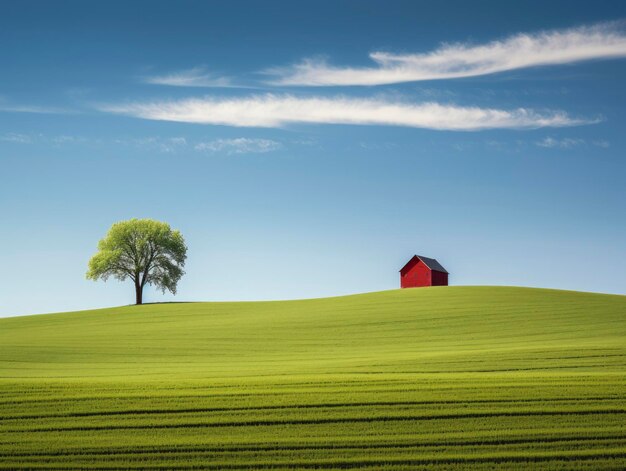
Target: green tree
144, 250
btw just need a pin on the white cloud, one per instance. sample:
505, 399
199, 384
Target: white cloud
239, 145
280, 110
196, 77
464, 60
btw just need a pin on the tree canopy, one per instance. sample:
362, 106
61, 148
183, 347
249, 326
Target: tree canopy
144, 250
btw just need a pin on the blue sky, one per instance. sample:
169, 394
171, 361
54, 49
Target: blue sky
310, 149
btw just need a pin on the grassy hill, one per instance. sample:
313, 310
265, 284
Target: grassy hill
432, 378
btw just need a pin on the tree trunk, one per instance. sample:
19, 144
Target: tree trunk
138, 293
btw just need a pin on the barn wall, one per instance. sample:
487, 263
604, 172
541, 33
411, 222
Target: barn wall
407, 277
439, 278
415, 275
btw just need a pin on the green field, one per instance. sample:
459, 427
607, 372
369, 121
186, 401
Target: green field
428, 378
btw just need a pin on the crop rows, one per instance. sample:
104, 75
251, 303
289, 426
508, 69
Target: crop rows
318, 424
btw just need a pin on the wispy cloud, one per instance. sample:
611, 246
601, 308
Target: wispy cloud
279, 110
450, 61
65, 139
168, 145
196, 77
59, 140
160, 144
241, 145
568, 143
16, 138
9, 108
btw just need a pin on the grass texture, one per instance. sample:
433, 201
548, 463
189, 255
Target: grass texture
447, 378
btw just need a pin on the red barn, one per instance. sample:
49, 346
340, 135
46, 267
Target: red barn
423, 271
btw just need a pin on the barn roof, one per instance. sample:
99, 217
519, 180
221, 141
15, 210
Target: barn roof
431, 263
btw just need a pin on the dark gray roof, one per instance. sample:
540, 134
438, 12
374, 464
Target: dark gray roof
431, 263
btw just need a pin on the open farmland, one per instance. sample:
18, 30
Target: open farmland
432, 378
